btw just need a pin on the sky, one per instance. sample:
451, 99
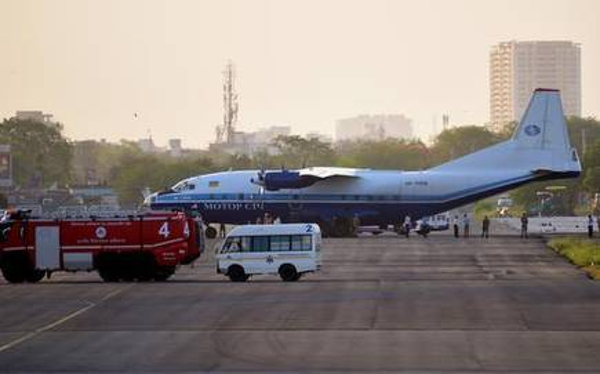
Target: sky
304, 63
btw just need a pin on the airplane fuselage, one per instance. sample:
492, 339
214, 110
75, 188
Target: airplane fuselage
376, 197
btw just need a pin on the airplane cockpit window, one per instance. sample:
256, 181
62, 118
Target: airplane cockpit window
183, 186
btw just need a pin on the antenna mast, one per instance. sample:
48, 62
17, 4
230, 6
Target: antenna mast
230, 106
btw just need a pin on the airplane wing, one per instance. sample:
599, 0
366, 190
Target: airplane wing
329, 172
284, 179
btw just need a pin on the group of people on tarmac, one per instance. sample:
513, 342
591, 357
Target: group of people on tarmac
422, 227
465, 223
266, 219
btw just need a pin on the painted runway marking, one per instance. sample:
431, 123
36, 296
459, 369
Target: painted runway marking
59, 322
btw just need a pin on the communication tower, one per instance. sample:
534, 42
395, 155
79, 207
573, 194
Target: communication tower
226, 130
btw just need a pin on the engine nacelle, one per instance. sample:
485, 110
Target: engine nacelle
278, 180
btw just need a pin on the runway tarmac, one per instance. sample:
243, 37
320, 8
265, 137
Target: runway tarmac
380, 304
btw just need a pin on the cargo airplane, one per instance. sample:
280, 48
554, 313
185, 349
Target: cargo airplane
538, 150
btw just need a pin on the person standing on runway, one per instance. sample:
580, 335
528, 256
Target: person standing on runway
485, 227
524, 224
466, 224
455, 226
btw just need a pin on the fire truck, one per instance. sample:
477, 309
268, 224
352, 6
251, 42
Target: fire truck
143, 247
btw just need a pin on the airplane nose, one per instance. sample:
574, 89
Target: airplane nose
148, 200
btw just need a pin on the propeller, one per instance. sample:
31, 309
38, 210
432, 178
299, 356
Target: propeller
260, 181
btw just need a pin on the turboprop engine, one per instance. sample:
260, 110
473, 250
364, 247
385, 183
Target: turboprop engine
284, 179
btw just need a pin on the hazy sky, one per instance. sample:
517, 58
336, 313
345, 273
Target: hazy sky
304, 63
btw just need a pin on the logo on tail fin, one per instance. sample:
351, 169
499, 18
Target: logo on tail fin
532, 130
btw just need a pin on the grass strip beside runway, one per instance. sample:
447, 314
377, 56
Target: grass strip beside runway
582, 252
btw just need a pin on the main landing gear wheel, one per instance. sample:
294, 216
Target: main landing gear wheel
343, 228
288, 273
210, 232
237, 274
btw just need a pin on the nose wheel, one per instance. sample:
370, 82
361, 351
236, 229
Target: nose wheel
210, 232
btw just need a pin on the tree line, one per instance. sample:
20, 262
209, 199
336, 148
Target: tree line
43, 157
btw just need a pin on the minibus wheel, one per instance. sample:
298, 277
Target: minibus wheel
288, 273
237, 274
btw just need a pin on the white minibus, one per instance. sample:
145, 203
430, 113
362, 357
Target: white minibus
289, 250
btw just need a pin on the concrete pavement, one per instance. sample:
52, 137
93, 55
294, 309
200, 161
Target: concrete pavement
380, 304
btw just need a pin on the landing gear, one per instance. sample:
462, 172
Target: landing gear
210, 232
343, 228
337, 228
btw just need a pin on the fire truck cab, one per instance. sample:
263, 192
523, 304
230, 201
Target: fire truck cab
142, 247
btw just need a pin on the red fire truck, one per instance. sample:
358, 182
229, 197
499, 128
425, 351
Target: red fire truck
142, 247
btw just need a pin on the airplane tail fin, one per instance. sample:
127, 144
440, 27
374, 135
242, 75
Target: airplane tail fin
540, 143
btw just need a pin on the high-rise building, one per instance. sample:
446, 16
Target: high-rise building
34, 115
518, 68
373, 127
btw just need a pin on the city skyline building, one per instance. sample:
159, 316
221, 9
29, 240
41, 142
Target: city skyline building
373, 127
519, 67
34, 115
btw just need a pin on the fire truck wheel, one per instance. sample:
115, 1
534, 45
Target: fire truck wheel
210, 232
15, 267
288, 273
237, 274
146, 268
163, 273
35, 276
108, 275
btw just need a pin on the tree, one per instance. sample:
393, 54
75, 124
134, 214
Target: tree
41, 155
591, 162
384, 154
459, 141
579, 128
137, 171
93, 160
297, 152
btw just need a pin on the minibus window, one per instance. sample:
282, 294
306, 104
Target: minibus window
280, 243
301, 243
233, 245
260, 244
237, 244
